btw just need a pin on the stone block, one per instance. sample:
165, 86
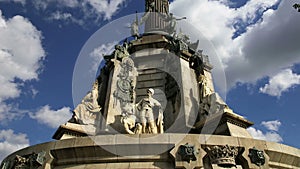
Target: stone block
117, 165
64, 151
164, 165
96, 166
141, 165
147, 52
127, 145
274, 151
237, 131
248, 144
289, 156
105, 153
152, 76
221, 140
71, 167
105, 147
104, 139
84, 141
67, 143
150, 84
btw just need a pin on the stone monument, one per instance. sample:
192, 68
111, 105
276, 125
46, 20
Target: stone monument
154, 105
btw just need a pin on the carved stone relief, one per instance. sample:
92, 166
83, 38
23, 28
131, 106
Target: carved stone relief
126, 82
30, 161
256, 156
222, 155
210, 102
86, 112
188, 152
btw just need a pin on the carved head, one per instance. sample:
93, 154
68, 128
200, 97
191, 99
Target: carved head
150, 91
95, 85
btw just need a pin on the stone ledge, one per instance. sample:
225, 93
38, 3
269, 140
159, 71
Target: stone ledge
139, 149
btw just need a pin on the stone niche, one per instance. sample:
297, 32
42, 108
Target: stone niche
172, 79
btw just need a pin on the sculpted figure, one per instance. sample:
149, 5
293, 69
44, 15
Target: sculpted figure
150, 6
134, 28
211, 102
120, 52
87, 110
171, 21
196, 63
145, 107
129, 123
129, 119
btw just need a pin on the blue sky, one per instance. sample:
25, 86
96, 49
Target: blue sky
257, 42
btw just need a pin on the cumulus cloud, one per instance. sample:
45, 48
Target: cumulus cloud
270, 41
16, 1
21, 53
11, 142
97, 54
43, 5
52, 118
268, 136
271, 133
65, 17
271, 125
105, 7
84, 10
280, 83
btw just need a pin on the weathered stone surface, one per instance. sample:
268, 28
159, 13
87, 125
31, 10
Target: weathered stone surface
105, 151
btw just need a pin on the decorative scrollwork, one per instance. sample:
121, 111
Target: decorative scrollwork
125, 83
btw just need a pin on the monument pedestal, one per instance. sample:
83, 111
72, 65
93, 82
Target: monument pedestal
227, 123
165, 151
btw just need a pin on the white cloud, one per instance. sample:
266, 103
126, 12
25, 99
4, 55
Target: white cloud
280, 83
9, 112
16, 1
268, 136
267, 45
11, 142
70, 3
65, 17
43, 5
89, 9
52, 118
97, 54
105, 7
271, 134
271, 125
21, 53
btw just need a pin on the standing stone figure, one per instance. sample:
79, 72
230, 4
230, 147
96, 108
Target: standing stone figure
145, 108
86, 112
150, 7
134, 28
211, 102
171, 22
